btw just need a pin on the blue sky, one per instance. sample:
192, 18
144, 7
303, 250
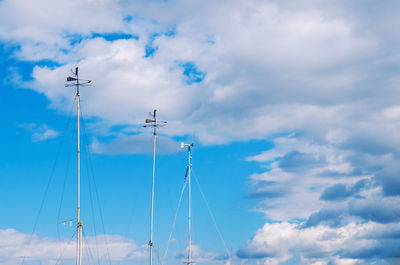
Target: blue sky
293, 109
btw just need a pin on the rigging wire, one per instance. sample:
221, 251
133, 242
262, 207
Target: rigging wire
211, 214
158, 232
90, 190
172, 212
173, 223
65, 177
60, 259
93, 213
50, 179
89, 156
89, 256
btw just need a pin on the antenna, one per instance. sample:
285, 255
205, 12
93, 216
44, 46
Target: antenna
189, 167
153, 123
75, 81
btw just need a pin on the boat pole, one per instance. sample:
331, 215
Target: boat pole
74, 81
79, 224
153, 123
189, 202
152, 187
189, 167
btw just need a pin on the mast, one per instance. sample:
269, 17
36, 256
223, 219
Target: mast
153, 123
189, 167
76, 82
79, 223
189, 202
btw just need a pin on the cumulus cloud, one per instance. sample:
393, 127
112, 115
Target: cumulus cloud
126, 85
302, 188
16, 246
339, 192
388, 178
333, 187
45, 29
350, 244
244, 81
380, 210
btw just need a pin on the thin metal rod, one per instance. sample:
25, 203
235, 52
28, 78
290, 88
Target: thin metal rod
79, 224
152, 187
189, 202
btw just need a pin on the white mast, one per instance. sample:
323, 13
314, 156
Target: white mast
76, 83
189, 167
79, 223
153, 123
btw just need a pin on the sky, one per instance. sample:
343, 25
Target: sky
292, 106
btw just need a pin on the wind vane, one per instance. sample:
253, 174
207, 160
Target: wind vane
75, 81
153, 123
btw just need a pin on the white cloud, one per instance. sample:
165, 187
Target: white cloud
275, 243
267, 34
135, 144
337, 191
252, 59
43, 28
126, 85
40, 132
292, 186
199, 255
16, 246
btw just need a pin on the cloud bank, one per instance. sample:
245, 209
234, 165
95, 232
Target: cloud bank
16, 247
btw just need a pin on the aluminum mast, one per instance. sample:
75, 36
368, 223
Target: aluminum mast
189, 167
76, 82
153, 123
